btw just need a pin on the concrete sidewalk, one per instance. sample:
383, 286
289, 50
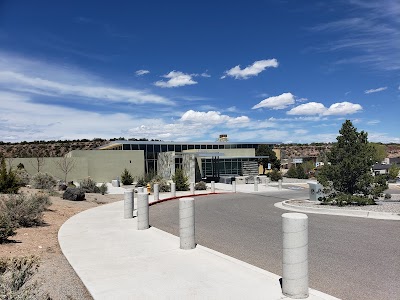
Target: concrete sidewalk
116, 261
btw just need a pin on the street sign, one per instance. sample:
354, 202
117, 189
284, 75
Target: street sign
297, 160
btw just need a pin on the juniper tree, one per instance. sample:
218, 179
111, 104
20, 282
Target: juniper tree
350, 164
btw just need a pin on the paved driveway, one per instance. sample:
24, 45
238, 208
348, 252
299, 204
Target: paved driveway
350, 258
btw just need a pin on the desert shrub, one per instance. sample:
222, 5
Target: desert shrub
291, 173
15, 279
88, 185
181, 180
9, 183
200, 186
103, 189
43, 181
6, 226
26, 210
388, 196
342, 199
23, 177
126, 177
163, 185
275, 175
141, 181
74, 194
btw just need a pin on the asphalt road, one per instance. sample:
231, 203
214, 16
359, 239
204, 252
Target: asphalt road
350, 258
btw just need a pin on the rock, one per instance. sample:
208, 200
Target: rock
74, 194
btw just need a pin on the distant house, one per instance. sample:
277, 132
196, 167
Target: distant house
380, 169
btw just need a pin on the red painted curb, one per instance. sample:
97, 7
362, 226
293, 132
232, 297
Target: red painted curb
186, 196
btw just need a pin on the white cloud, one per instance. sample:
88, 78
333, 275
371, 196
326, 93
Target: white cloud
40, 78
142, 72
253, 70
212, 117
373, 122
308, 109
232, 109
343, 108
205, 74
277, 102
301, 100
375, 90
300, 131
315, 108
176, 79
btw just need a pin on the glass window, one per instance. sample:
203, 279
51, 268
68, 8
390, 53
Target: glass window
126, 147
171, 148
184, 147
190, 147
135, 147
221, 146
203, 147
150, 148
215, 146
163, 148
142, 147
178, 148
196, 146
209, 146
157, 148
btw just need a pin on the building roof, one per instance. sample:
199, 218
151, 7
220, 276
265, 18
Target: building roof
122, 142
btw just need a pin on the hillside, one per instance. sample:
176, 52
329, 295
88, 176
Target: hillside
59, 148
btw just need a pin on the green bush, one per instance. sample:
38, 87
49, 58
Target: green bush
6, 225
24, 210
200, 186
301, 174
180, 180
141, 181
103, 189
15, 279
126, 177
88, 185
43, 181
291, 173
275, 175
9, 183
163, 185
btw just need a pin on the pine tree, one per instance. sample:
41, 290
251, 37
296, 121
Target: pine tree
351, 160
265, 150
180, 180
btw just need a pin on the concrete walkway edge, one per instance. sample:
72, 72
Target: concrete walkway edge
116, 261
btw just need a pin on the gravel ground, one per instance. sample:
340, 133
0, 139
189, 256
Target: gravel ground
55, 275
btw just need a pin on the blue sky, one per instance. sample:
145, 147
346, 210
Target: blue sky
288, 71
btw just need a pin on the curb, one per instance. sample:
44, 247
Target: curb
185, 196
348, 212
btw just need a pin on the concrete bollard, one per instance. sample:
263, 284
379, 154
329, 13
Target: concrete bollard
279, 184
143, 211
212, 186
234, 186
256, 183
295, 255
140, 189
156, 193
128, 204
266, 181
186, 223
173, 189
192, 188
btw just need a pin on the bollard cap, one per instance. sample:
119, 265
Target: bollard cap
295, 216
186, 199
